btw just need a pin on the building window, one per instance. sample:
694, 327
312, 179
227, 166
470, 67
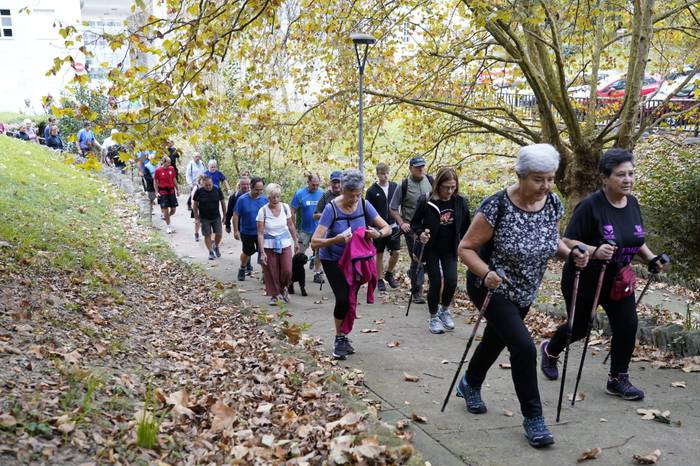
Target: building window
5, 24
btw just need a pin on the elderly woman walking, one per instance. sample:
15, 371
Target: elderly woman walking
277, 242
340, 218
514, 230
609, 214
440, 221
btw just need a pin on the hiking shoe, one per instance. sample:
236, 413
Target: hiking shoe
340, 350
418, 298
216, 251
389, 277
548, 364
169, 230
284, 296
196, 237
241, 274
318, 278
312, 260
348, 346
435, 325
621, 386
273, 300
380, 285
536, 432
445, 317
212, 256
249, 269
472, 396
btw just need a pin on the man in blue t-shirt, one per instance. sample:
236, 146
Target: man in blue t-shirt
305, 200
245, 225
86, 139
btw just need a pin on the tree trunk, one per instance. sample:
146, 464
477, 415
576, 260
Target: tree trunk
580, 177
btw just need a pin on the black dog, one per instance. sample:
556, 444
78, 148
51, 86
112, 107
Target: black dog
298, 274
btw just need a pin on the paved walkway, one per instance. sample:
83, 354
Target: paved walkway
457, 437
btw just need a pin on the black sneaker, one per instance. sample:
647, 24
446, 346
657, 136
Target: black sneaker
472, 396
217, 251
241, 274
389, 277
548, 364
536, 432
621, 386
249, 269
339, 347
380, 285
418, 298
318, 278
348, 346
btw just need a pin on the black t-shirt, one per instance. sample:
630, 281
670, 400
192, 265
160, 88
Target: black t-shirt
209, 202
595, 220
446, 232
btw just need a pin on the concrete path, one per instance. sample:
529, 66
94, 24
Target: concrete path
457, 437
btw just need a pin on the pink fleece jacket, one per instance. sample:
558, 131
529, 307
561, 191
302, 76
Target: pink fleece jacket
359, 266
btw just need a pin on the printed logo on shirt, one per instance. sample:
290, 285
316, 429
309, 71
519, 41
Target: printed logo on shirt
608, 232
639, 231
310, 203
447, 217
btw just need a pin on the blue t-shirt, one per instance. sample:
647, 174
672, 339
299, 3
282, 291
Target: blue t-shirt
305, 201
247, 210
341, 223
85, 138
217, 177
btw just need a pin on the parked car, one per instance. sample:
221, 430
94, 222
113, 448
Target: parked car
616, 89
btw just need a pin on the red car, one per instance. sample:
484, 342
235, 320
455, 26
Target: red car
616, 89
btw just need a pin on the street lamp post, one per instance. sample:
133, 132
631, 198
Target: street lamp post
358, 40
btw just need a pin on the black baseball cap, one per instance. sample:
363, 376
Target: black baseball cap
417, 162
335, 175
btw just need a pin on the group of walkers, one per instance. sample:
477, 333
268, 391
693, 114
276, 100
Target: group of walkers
506, 248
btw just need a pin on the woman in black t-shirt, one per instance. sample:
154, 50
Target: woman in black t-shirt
440, 222
610, 214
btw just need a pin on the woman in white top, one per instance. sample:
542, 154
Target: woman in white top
277, 242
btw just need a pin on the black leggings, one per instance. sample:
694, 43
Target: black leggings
622, 315
505, 328
433, 261
340, 288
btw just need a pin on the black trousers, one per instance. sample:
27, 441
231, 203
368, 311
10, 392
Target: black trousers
340, 287
622, 315
433, 262
505, 329
415, 273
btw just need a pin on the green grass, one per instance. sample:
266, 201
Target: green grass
55, 212
14, 117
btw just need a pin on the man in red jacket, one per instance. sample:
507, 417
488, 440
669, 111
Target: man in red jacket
166, 190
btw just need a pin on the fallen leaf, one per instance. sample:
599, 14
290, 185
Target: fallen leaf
64, 424
444, 361
7, 420
650, 458
369, 330
504, 365
579, 396
418, 418
591, 454
410, 378
401, 424
678, 384
224, 416
72, 358
350, 419
690, 367
268, 440
378, 321
394, 344
508, 413
180, 400
602, 419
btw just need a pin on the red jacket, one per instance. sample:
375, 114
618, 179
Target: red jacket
359, 266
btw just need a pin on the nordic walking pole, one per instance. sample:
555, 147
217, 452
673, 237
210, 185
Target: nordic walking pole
663, 259
596, 298
420, 264
484, 305
569, 328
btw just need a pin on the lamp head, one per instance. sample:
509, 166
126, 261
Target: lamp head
359, 38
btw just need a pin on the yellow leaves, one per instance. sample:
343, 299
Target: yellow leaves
91, 163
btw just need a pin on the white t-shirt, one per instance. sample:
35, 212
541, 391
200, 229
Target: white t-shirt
275, 226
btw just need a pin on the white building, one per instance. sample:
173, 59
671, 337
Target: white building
29, 41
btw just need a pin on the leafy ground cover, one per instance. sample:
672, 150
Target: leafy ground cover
114, 352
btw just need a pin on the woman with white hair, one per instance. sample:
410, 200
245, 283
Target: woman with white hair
340, 218
277, 242
517, 231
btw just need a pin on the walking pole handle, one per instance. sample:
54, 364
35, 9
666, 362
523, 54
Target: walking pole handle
662, 259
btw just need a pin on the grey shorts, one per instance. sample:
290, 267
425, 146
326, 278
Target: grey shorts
209, 225
304, 240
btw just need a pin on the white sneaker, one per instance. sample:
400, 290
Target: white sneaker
169, 230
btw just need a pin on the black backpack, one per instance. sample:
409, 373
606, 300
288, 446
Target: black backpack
147, 181
349, 219
404, 185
